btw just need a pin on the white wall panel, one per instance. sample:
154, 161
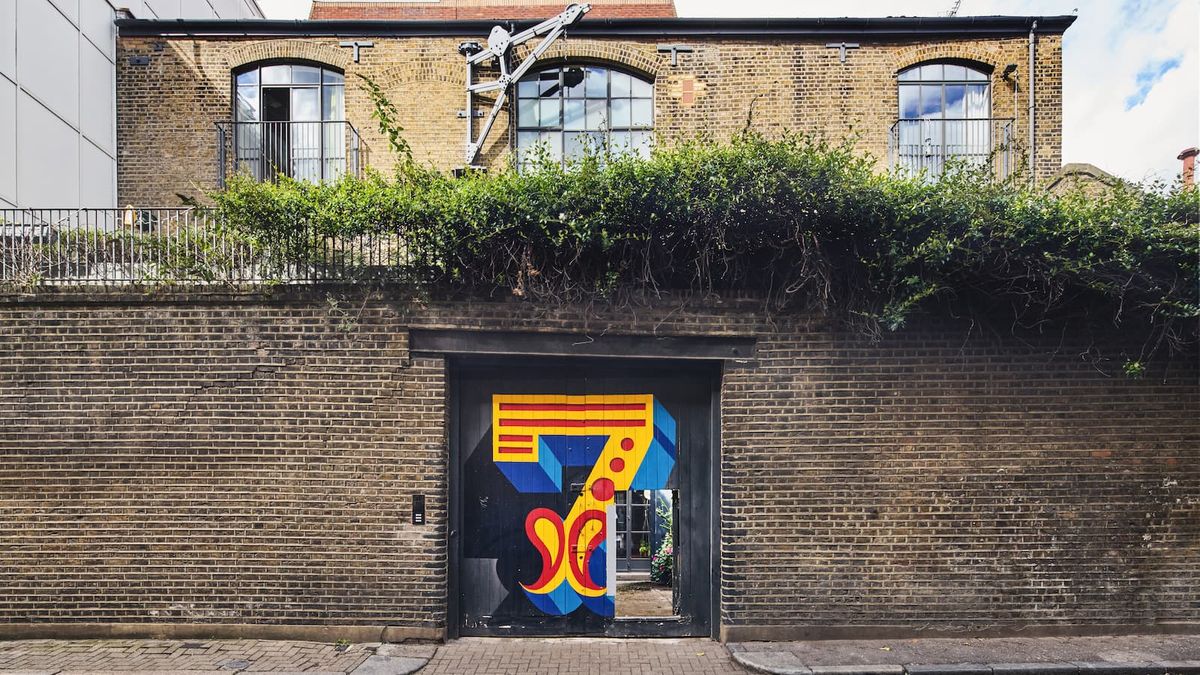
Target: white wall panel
47, 158
96, 21
70, 8
8, 140
165, 9
8, 39
96, 102
48, 57
97, 182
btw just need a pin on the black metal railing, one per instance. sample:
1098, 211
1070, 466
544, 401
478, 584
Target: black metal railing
930, 145
310, 151
176, 246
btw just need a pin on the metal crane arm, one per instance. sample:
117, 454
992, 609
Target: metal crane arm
500, 44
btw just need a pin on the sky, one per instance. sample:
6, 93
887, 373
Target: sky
1131, 69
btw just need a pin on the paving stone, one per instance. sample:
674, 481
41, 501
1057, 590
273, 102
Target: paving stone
948, 669
776, 662
390, 665
867, 669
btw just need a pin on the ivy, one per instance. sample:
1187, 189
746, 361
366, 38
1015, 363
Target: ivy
806, 225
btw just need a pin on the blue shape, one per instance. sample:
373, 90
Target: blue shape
602, 605
575, 450
560, 601
544, 475
1147, 77
660, 457
554, 453
598, 565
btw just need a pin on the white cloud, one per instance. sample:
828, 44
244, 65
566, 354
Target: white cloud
1110, 43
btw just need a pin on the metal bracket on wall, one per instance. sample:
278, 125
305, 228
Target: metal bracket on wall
675, 51
499, 48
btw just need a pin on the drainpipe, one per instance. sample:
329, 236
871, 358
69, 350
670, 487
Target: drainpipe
1032, 106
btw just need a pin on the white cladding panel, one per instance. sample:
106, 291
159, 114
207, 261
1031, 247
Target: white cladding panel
96, 103
8, 141
8, 40
97, 177
47, 158
96, 21
70, 8
48, 58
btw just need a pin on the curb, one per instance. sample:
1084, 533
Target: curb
786, 663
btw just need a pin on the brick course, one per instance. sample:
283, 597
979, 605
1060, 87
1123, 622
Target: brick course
166, 109
250, 460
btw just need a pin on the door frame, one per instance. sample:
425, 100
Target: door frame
707, 626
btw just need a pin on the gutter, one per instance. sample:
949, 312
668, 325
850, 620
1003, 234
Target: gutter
1032, 101
878, 28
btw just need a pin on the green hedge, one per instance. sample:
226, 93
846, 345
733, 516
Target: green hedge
803, 224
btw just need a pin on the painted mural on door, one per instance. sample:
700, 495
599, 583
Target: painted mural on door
628, 441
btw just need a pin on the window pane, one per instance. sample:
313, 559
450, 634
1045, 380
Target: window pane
527, 112
597, 82
573, 114
306, 75
621, 85
576, 145
527, 88
247, 103
333, 105
910, 75
597, 115
641, 142
548, 83
910, 101
277, 75
641, 88
248, 77
643, 113
973, 74
548, 112
330, 77
954, 72
305, 104
977, 101
620, 113
931, 71
573, 82
553, 142
931, 101
619, 142
955, 93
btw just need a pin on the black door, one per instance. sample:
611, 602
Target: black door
277, 142
543, 452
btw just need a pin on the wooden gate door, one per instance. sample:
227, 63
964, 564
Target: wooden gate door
543, 448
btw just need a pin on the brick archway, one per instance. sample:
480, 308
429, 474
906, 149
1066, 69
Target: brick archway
289, 49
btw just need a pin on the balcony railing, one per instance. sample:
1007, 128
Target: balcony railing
310, 151
930, 145
184, 247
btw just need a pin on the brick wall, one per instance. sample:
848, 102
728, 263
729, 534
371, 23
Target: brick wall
250, 460
442, 10
166, 109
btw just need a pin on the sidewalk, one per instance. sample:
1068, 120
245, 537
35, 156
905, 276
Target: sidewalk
207, 657
1150, 654
1136, 654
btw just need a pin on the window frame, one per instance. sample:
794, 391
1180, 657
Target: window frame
559, 150
943, 83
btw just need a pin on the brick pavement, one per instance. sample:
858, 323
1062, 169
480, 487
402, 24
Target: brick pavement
179, 656
568, 656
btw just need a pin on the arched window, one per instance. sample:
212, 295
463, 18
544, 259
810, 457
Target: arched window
568, 109
289, 119
945, 111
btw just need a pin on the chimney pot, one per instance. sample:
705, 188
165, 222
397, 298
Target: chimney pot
1188, 157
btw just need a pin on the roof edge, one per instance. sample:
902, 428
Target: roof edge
866, 27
